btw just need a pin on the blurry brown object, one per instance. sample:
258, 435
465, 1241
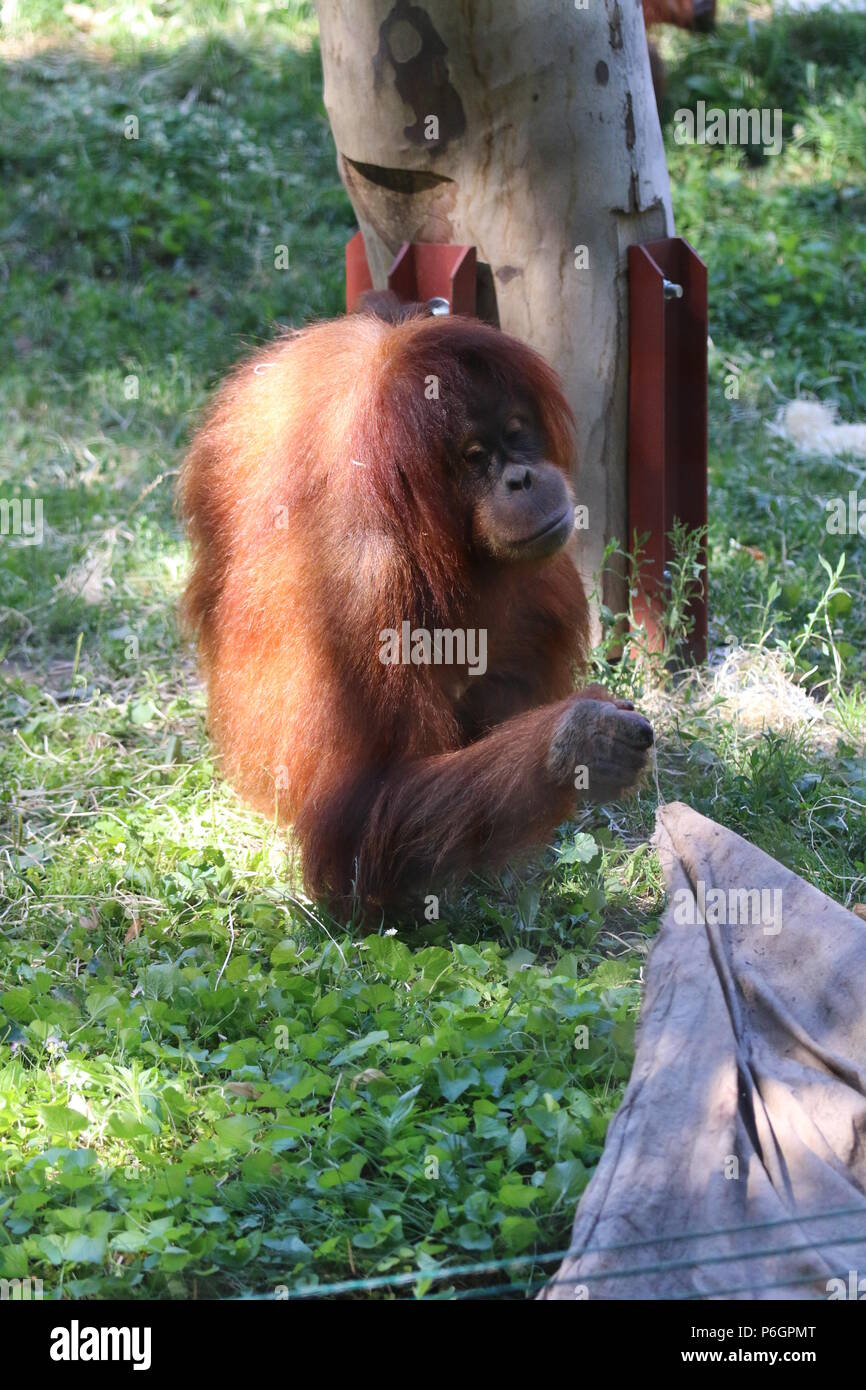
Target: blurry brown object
685, 14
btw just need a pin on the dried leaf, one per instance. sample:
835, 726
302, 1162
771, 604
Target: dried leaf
369, 1074
245, 1089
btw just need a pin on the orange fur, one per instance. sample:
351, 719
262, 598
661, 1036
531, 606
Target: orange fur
678, 12
322, 509
684, 14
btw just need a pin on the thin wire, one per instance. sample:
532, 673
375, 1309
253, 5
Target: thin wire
516, 1261
666, 1266
491, 1291
604, 1276
753, 1288
530, 1287
655, 762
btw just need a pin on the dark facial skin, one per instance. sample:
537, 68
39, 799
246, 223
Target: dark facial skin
521, 506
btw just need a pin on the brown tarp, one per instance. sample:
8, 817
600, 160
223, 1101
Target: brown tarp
745, 1113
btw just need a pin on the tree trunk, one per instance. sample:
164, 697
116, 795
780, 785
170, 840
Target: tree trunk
529, 130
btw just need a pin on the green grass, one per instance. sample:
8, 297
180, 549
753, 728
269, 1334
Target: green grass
207, 1085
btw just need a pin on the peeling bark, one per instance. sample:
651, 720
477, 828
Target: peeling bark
544, 138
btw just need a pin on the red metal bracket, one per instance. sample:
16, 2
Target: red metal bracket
667, 436
421, 270
358, 278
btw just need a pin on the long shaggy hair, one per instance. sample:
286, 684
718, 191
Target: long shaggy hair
323, 505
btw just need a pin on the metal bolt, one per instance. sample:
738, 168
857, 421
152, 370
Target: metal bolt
437, 305
672, 290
